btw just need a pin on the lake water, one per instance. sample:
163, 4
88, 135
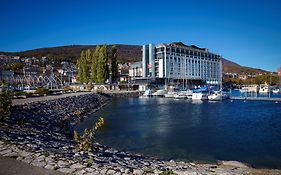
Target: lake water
193, 131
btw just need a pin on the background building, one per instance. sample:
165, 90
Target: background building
135, 70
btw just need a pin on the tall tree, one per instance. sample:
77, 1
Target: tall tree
114, 65
102, 67
82, 68
89, 56
88, 61
95, 57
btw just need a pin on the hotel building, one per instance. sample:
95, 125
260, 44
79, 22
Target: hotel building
180, 62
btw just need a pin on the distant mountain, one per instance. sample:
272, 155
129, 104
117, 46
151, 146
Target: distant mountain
126, 53
231, 67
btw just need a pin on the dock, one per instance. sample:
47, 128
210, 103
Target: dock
256, 98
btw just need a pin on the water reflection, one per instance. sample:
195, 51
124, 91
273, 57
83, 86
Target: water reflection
194, 130
197, 101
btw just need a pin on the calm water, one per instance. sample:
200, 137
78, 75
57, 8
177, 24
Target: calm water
194, 131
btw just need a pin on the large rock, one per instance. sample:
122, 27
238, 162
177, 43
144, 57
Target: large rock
234, 164
77, 166
50, 167
138, 172
111, 172
6, 151
66, 170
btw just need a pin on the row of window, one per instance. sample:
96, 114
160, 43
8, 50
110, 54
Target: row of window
182, 51
194, 70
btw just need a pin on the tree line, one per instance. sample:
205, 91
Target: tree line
270, 79
96, 66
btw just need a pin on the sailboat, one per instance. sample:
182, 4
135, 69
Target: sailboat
147, 93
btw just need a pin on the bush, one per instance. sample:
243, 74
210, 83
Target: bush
167, 172
5, 105
85, 142
90, 161
42, 91
67, 88
99, 91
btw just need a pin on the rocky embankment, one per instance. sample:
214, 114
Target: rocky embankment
40, 134
123, 94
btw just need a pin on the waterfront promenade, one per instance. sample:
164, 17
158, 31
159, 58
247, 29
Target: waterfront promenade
45, 98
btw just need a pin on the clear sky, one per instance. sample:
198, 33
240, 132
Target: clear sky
246, 32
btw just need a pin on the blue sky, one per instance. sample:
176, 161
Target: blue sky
246, 32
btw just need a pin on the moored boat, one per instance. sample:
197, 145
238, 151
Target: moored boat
276, 91
217, 96
159, 93
147, 93
264, 88
170, 94
199, 96
180, 95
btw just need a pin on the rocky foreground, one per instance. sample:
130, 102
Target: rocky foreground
41, 134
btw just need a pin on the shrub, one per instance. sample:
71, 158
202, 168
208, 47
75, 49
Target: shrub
42, 91
67, 88
167, 172
99, 91
90, 161
5, 105
85, 142
78, 113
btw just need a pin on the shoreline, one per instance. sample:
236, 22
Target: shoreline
43, 138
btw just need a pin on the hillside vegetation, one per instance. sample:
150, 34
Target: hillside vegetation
126, 53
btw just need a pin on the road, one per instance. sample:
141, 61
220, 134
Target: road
9, 166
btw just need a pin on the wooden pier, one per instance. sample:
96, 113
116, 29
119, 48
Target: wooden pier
256, 98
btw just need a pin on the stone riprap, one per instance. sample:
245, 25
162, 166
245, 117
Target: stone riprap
41, 134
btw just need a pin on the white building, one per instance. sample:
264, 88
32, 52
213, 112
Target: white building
135, 70
181, 62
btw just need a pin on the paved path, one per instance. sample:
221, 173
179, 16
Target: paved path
45, 98
9, 166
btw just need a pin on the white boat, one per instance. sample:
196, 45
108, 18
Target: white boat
249, 88
276, 91
147, 93
159, 93
189, 94
217, 96
264, 88
170, 94
199, 96
181, 95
